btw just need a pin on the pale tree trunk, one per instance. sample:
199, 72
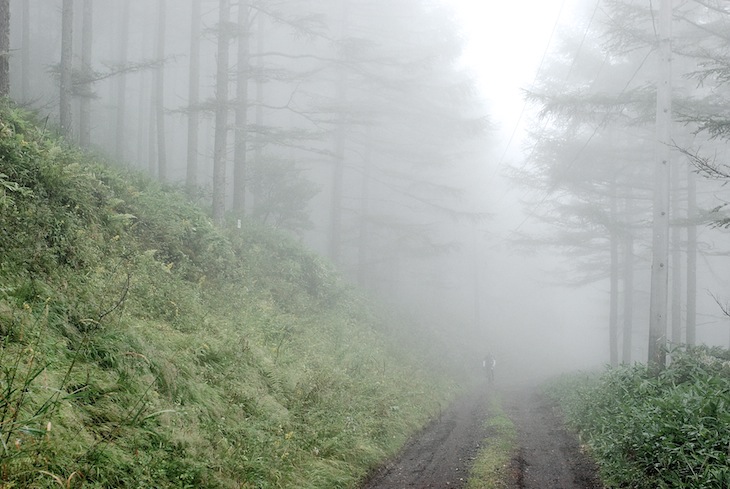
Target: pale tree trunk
121, 136
614, 275
191, 175
87, 39
241, 134
660, 228
221, 113
338, 158
363, 242
145, 109
676, 245
691, 258
152, 135
628, 280
66, 67
4, 48
160, 92
259, 114
25, 54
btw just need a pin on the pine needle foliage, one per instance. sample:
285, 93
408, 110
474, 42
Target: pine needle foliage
142, 346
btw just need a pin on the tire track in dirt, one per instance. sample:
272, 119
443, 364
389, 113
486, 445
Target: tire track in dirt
549, 455
442, 453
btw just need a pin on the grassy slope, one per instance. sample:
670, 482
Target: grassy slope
140, 346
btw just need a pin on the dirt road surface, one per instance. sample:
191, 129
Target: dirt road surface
548, 457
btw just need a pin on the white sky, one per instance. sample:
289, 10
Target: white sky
506, 42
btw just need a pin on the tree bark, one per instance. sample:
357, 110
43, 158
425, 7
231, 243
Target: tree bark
121, 135
160, 92
258, 152
87, 38
614, 275
660, 227
66, 67
4, 48
221, 113
676, 269
191, 175
241, 135
363, 242
338, 158
25, 55
691, 258
628, 280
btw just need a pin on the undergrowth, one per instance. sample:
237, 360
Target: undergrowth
141, 346
648, 431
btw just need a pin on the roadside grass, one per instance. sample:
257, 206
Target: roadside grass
652, 431
141, 346
491, 469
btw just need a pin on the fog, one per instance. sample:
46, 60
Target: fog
489, 173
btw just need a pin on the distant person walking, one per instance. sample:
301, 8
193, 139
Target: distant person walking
488, 364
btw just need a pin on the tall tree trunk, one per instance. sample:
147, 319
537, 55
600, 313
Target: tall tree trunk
160, 92
363, 242
614, 274
676, 269
87, 39
691, 258
66, 67
628, 279
191, 175
4, 48
152, 142
338, 158
660, 228
25, 55
221, 113
241, 135
121, 137
258, 153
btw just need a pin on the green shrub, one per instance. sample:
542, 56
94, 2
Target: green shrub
665, 431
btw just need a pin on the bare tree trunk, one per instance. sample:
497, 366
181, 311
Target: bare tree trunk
338, 158
676, 244
363, 242
660, 228
160, 93
152, 142
613, 294
121, 135
191, 176
25, 55
628, 279
241, 135
691, 258
221, 113
4, 48
259, 143
66, 67
87, 38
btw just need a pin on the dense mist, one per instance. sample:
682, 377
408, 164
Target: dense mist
356, 126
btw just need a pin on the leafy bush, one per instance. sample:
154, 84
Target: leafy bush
664, 431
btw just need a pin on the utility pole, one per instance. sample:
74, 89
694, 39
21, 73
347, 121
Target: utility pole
660, 229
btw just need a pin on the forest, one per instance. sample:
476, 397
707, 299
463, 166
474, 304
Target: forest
353, 126
346, 123
195, 192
